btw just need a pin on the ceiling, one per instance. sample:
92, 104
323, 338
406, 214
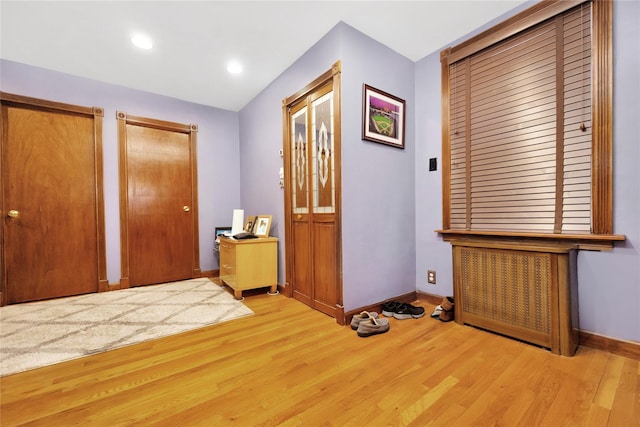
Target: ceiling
195, 40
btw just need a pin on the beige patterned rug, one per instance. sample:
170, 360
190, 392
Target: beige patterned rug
42, 333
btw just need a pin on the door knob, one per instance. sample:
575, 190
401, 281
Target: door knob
186, 208
13, 214
298, 216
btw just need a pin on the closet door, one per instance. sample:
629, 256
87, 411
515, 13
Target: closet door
300, 255
312, 199
158, 201
52, 207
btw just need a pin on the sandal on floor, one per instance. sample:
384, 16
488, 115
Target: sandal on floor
373, 326
357, 318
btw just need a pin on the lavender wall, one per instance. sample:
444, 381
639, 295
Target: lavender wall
378, 236
377, 180
218, 153
261, 137
609, 282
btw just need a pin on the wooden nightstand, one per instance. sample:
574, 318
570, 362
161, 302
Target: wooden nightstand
249, 264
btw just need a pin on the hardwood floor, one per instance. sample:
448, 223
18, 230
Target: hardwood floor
291, 365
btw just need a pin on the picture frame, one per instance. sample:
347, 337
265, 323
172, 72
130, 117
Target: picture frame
383, 117
250, 224
262, 226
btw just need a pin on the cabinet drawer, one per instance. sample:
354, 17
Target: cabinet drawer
227, 254
227, 262
227, 269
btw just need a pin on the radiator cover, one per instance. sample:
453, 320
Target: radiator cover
525, 290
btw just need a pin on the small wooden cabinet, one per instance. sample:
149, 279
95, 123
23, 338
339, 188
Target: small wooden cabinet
249, 264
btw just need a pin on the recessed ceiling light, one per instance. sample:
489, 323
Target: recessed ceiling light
234, 68
142, 41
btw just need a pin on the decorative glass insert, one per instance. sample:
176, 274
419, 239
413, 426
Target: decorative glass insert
299, 194
322, 155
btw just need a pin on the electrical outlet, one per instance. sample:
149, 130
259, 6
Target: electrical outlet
431, 276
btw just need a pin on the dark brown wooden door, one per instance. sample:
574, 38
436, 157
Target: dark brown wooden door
53, 223
159, 202
312, 197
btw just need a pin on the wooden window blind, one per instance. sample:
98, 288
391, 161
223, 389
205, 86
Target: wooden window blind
518, 128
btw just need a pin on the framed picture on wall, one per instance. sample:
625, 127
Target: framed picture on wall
262, 226
383, 117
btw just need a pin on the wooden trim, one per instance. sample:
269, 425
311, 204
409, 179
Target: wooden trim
4, 134
210, 273
446, 139
159, 124
98, 118
582, 241
315, 84
535, 14
337, 127
377, 307
288, 223
123, 178
193, 144
623, 348
602, 117
19, 100
430, 298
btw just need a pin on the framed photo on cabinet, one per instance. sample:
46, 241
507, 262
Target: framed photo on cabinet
250, 224
262, 226
383, 117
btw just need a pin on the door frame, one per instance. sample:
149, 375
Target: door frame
330, 76
125, 119
95, 113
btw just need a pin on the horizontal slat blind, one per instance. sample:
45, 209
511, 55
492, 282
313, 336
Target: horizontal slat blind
505, 116
576, 214
458, 140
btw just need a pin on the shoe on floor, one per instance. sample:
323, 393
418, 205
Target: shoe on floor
446, 316
388, 308
357, 318
447, 313
373, 326
408, 311
447, 304
437, 311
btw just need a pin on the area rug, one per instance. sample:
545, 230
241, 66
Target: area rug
42, 333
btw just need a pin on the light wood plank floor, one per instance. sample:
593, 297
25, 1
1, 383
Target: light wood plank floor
290, 365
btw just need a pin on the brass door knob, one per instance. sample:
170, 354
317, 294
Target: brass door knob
13, 214
298, 216
186, 208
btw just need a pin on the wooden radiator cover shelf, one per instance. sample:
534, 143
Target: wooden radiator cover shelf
522, 289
